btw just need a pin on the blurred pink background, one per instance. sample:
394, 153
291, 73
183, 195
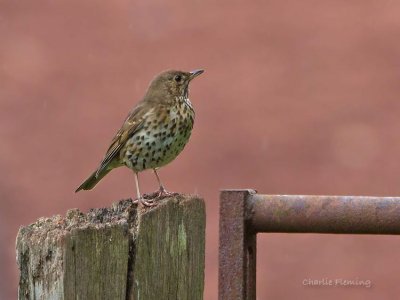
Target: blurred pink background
299, 97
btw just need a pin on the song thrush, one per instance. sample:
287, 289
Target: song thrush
155, 131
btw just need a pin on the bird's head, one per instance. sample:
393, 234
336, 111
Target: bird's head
172, 83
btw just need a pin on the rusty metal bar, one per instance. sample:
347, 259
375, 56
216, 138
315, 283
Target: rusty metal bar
325, 214
243, 214
237, 248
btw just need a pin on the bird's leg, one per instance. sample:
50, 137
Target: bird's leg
162, 191
140, 199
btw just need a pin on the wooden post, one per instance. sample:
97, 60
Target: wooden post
116, 253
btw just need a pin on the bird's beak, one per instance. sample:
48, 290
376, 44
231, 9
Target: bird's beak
195, 73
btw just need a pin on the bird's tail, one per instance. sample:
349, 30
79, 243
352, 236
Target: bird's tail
93, 179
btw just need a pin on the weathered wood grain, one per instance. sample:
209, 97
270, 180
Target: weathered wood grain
168, 262
116, 253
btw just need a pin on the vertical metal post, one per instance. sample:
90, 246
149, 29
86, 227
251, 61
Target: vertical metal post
237, 247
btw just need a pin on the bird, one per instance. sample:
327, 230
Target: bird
154, 133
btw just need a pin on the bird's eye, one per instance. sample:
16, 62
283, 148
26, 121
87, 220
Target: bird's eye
178, 78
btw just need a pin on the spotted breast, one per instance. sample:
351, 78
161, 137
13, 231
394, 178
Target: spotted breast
165, 132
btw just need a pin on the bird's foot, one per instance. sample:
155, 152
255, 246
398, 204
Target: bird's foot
145, 202
162, 193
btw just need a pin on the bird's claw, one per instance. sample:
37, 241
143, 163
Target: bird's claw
160, 194
147, 203
149, 200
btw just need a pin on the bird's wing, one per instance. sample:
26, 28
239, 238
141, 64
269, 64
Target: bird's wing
133, 123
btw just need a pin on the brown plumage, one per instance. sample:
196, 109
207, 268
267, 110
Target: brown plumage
155, 131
